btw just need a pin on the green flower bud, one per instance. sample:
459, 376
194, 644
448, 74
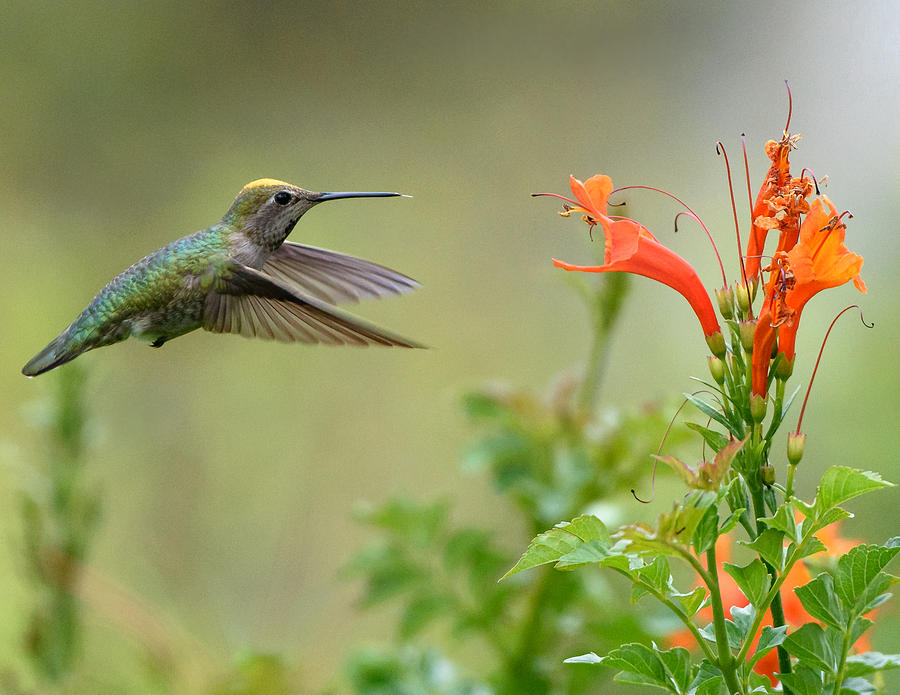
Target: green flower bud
796, 442
742, 293
767, 474
758, 407
784, 368
716, 343
747, 329
716, 368
725, 298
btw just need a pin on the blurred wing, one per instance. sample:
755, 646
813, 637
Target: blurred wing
332, 276
247, 302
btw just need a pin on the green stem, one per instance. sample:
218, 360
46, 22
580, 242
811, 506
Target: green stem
726, 661
839, 681
775, 607
605, 309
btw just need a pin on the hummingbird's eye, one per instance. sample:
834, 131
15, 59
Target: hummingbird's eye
283, 197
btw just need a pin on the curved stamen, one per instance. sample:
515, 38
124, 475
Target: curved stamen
807, 170
692, 214
790, 108
557, 195
819, 358
720, 149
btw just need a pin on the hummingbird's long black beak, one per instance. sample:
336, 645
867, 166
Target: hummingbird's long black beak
358, 194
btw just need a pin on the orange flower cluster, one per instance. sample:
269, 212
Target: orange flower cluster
810, 257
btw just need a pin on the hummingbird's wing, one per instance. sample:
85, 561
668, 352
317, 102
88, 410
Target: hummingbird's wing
245, 301
332, 276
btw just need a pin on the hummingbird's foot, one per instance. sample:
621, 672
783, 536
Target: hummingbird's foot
159, 341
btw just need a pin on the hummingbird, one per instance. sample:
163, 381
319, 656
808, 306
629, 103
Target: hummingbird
237, 276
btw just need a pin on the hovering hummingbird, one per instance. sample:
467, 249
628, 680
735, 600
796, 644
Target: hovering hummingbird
238, 276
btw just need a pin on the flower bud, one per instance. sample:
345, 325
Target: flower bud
716, 368
758, 406
725, 298
716, 343
754, 286
784, 368
747, 329
742, 294
795, 444
767, 474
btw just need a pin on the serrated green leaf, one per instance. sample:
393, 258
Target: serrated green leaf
821, 602
562, 539
770, 547
783, 521
731, 521
716, 440
588, 528
870, 662
589, 658
592, 552
656, 574
708, 680
858, 627
803, 681
813, 546
769, 638
692, 602
548, 547
832, 516
733, 633
752, 580
677, 662
811, 646
708, 410
641, 660
743, 617
859, 580
841, 483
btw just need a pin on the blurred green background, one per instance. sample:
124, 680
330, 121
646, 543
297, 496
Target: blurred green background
229, 468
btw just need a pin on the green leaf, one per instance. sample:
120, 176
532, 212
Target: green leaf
857, 686
743, 619
753, 580
859, 579
677, 662
840, 484
716, 440
733, 520
553, 545
589, 658
821, 602
811, 646
784, 521
591, 552
656, 574
707, 531
709, 411
769, 638
691, 603
803, 681
770, 547
641, 660
858, 627
870, 662
832, 516
708, 680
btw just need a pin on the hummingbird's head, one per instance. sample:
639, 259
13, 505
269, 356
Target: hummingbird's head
267, 209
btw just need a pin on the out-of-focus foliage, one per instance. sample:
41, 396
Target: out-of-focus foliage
550, 456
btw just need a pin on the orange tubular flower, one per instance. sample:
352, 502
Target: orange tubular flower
817, 261
630, 248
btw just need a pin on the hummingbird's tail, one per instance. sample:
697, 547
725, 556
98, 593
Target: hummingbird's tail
61, 349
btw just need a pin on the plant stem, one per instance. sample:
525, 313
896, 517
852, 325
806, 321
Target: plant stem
726, 659
607, 304
775, 607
